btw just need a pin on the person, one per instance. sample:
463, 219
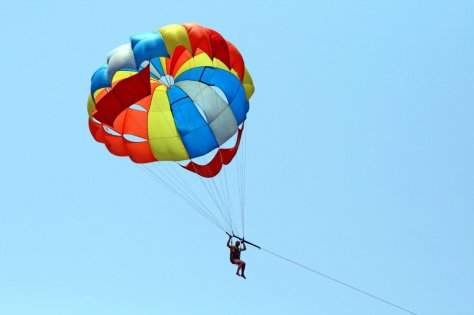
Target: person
235, 251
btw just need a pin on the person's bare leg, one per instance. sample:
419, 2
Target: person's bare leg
242, 266
237, 262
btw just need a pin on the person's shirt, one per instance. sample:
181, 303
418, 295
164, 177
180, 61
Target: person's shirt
235, 252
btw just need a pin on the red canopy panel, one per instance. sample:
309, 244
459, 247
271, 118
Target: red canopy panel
124, 94
219, 46
198, 38
236, 61
179, 57
97, 131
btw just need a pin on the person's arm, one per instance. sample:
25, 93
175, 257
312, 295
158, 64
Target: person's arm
228, 242
244, 247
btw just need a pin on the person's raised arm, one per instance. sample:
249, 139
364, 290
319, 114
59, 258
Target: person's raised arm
228, 242
245, 247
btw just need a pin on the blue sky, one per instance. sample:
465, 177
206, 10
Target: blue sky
359, 164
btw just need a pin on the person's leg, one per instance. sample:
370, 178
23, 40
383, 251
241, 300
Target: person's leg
242, 264
238, 262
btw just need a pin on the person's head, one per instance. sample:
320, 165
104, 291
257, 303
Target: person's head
237, 243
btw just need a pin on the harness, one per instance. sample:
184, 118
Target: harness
235, 253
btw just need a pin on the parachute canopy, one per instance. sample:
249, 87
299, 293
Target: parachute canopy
180, 94
171, 95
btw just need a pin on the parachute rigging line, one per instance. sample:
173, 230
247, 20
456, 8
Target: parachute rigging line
227, 193
215, 196
169, 178
338, 281
241, 179
194, 204
183, 189
201, 209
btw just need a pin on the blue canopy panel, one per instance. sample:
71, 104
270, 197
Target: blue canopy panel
195, 133
227, 82
156, 64
99, 80
147, 46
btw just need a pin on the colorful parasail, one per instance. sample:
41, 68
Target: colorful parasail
173, 95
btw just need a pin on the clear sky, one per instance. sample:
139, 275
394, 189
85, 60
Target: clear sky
359, 164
